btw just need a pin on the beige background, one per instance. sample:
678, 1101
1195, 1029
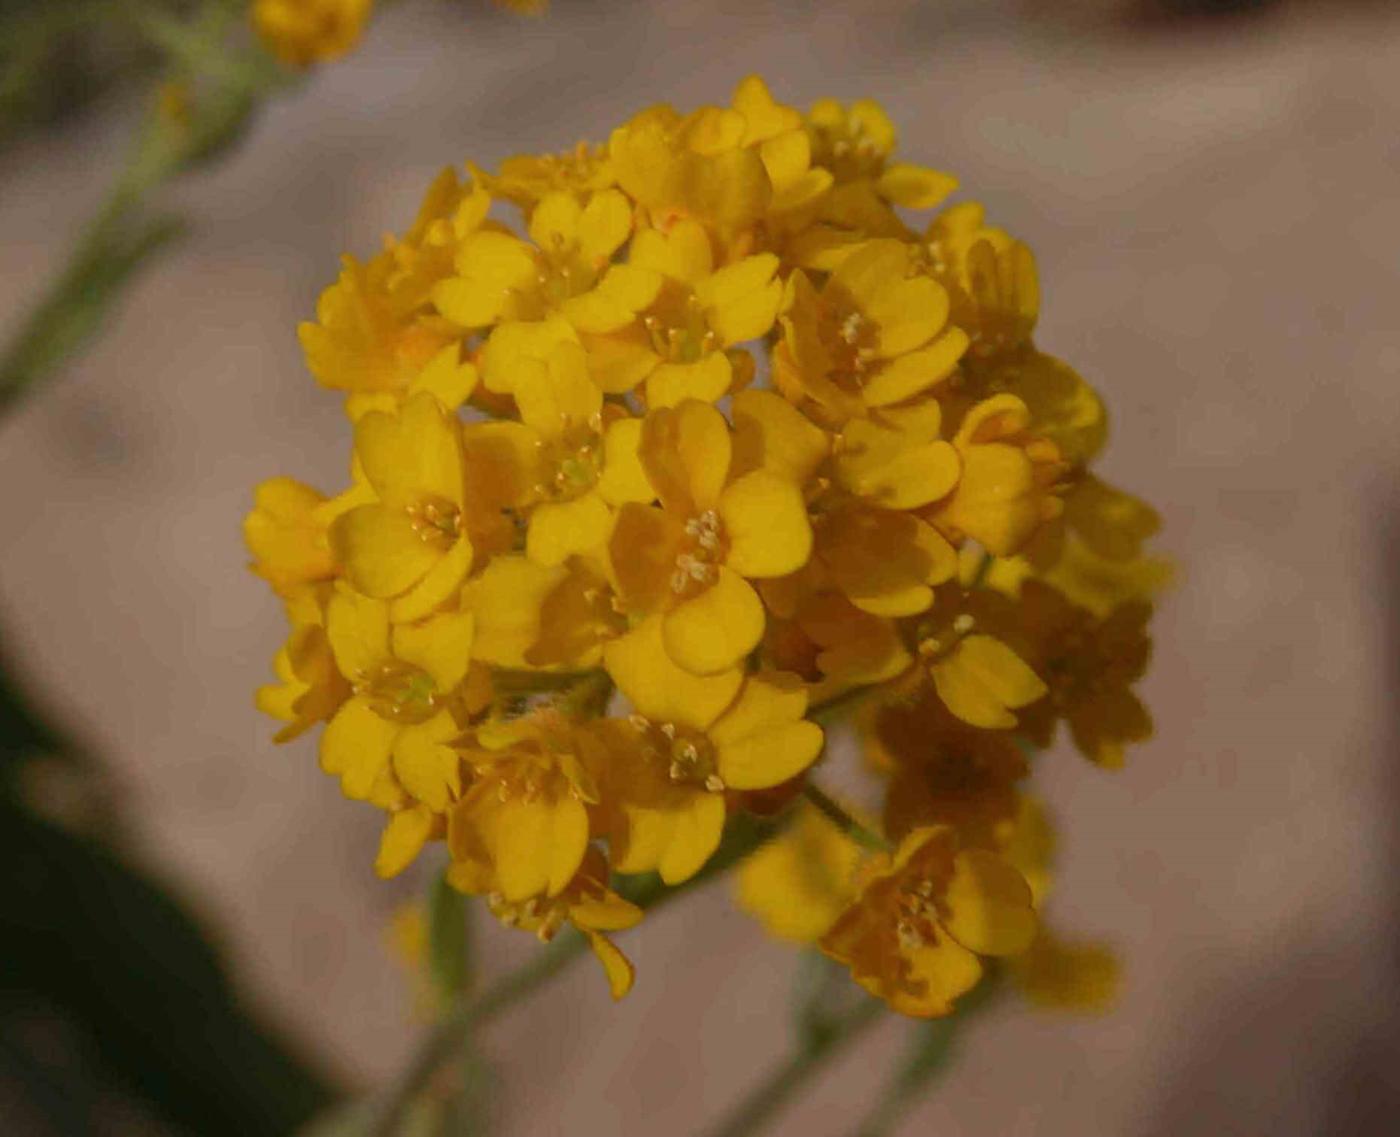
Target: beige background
1216, 214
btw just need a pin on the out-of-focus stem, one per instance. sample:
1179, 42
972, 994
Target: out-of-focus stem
763, 1103
834, 812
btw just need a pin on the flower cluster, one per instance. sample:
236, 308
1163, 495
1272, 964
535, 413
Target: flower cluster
729, 435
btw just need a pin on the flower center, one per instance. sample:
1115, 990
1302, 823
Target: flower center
542, 917
849, 337
689, 755
702, 551
916, 914
572, 460
936, 642
436, 520
399, 692
678, 329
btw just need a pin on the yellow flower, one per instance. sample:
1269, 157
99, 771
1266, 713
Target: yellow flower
524, 818
690, 740
1063, 976
690, 560
303, 32
944, 772
310, 688
526, 179
694, 166
411, 545
586, 902
798, 883
699, 312
876, 334
1007, 490
563, 268
784, 146
856, 143
923, 917
990, 276
394, 734
287, 533
361, 340
1089, 664
977, 676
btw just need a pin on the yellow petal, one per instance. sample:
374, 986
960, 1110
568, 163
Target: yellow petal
770, 756
713, 630
441, 646
944, 970
381, 550
741, 300
446, 378
562, 529
661, 690
559, 394
907, 312
982, 679
506, 599
413, 454
914, 187
989, 905
623, 477
617, 966
682, 253
707, 379
403, 839
605, 224
439, 583
766, 522
492, 267
694, 837
425, 767
907, 376
770, 433
356, 746
358, 629
686, 452
609, 914
555, 221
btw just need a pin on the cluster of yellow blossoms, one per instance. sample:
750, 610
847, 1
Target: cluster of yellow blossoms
723, 443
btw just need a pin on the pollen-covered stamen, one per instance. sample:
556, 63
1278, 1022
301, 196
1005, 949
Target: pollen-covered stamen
572, 461
541, 916
697, 563
679, 331
916, 914
933, 644
436, 520
399, 692
688, 755
849, 337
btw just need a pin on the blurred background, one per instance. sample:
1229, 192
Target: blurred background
191, 936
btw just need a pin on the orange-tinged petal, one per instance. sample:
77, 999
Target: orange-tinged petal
507, 599
769, 757
561, 393
770, 433
686, 451
989, 905
765, 519
661, 690
713, 630
741, 300
944, 970
642, 551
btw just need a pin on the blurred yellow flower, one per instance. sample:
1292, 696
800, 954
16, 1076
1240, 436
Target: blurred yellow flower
303, 32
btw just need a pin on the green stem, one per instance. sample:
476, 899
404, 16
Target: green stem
838, 816
763, 1103
447, 1037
